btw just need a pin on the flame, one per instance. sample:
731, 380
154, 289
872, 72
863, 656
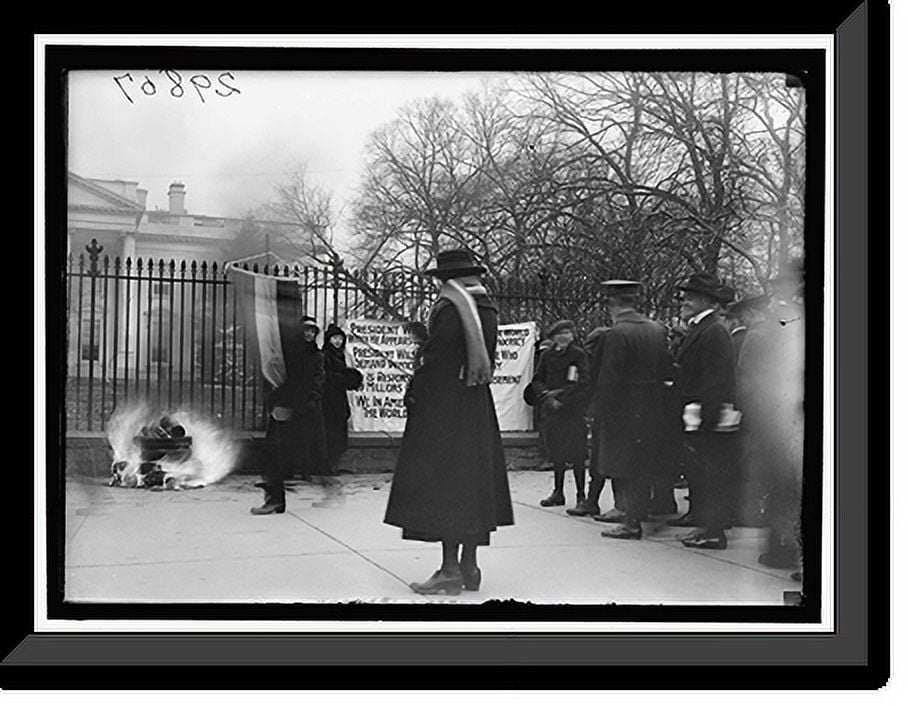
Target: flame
214, 452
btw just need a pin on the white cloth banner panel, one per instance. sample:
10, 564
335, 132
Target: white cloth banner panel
513, 372
383, 353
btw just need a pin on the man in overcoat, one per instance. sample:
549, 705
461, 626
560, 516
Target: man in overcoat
560, 385
704, 387
629, 405
450, 483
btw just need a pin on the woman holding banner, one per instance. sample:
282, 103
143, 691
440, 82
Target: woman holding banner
450, 484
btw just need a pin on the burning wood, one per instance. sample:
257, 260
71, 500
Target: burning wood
161, 443
162, 455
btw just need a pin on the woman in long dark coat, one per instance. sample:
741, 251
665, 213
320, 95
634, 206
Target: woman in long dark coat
561, 384
307, 393
450, 484
339, 377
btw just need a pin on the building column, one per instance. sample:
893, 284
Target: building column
127, 339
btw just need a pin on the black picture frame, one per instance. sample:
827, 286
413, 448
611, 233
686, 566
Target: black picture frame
855, 655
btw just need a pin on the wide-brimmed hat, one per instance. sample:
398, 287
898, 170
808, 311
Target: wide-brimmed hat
751, 302
559, 326
457, 262
704, 283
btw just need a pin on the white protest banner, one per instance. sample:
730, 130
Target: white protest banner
383, 352
513, 372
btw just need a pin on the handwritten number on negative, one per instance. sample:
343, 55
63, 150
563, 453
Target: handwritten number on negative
195, 81
146, 85
200, 82
230, 89
117, 80
177, 82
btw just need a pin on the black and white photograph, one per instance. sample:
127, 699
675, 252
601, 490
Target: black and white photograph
515, 350
438, 336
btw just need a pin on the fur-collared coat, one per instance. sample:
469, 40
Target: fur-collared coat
450, 481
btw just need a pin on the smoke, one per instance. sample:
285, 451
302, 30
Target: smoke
214, 451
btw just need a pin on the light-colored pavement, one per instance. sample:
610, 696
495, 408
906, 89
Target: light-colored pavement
135, 545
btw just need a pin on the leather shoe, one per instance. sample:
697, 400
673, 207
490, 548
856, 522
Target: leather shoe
623, 532
686, 520
440, 583
720, 542
554, 499
613, 515
471, 578
269, 509
585, 507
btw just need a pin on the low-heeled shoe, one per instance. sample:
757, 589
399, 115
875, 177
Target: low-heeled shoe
439, 583
614, 516
720, 542
623, 532
269, 509
583, 509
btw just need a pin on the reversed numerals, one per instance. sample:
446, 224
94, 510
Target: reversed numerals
174, 84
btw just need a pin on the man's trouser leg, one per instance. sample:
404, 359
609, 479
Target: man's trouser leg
711, 480
634, 497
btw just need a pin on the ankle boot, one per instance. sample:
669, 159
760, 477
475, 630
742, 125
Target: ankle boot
556, 498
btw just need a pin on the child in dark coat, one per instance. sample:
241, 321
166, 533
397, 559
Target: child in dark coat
561, 385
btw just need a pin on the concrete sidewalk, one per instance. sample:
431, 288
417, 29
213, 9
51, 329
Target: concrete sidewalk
136, 545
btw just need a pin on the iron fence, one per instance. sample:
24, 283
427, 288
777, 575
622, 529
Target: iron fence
170, 334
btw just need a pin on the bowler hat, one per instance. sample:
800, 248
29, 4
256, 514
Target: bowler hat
704, 283
457, 262
756, 302
563, 325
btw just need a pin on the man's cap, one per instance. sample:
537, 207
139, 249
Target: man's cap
310, 322
457, 262
707, 284
563, 325
751, 302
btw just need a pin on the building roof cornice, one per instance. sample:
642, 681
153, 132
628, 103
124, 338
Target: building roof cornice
120, 202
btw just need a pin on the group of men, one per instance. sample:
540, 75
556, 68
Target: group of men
718, 399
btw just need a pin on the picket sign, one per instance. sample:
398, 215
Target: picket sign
383, 353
